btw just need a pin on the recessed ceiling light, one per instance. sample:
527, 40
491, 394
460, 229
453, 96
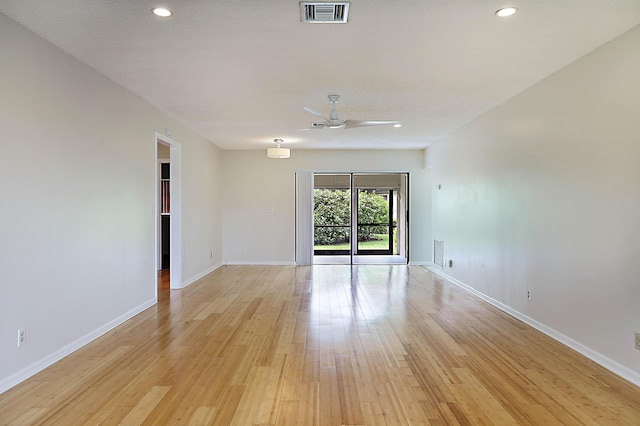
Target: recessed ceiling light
397, 125
162, 12
506, 11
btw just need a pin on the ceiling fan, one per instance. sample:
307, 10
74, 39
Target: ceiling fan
333, 122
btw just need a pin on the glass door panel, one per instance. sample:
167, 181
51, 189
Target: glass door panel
377, 221
332, 221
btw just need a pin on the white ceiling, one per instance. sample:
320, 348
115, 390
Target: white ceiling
239, 72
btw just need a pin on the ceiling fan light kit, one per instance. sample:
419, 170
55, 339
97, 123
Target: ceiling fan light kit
278, 152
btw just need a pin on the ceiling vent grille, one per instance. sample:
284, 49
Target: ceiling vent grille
324, 13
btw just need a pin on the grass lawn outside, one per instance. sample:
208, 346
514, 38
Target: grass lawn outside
380, 244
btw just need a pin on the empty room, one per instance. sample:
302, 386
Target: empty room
320, 213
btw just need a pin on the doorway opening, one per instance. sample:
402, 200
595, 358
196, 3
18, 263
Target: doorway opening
164, 246
167, 210
360, 218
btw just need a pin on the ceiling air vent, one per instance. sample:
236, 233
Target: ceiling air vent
324, 13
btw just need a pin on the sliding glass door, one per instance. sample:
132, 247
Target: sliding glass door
361, 214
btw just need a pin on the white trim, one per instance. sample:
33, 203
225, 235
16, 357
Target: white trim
597, 357
155, 213
200, 275
344, 172
261, 262
45, 362
176, 261
421, 263
304, 217
176, 254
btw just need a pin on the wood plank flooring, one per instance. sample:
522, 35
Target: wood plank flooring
322, 345
164, 281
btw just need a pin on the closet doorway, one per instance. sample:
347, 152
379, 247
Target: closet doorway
360, 218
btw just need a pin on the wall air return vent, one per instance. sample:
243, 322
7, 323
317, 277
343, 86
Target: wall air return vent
324, 13
438, 253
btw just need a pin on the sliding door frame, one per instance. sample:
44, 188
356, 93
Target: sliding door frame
402, 206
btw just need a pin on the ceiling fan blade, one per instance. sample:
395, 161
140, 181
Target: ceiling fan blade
314, 112
363, 123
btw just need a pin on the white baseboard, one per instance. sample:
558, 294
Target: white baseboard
595, 356
421, 263
260, 262
36, 367
200, 275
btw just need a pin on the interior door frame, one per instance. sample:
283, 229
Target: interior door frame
175, 206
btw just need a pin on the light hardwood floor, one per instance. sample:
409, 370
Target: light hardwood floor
322, 345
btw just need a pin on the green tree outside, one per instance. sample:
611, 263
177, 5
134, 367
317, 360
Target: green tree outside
331, 207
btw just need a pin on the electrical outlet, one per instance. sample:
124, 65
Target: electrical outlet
528, 294
21, 337
638, 340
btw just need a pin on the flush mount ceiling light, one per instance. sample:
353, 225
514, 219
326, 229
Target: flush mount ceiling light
278, 152
506, 11
162, 12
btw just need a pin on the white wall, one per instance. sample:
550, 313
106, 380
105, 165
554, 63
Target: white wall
77, 188
543, 194
202, 208
254, 184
